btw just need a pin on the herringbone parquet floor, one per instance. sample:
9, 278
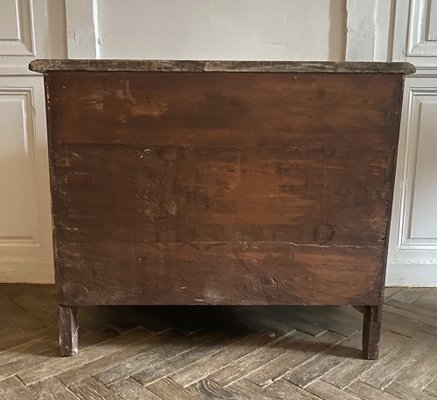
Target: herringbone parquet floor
242, 353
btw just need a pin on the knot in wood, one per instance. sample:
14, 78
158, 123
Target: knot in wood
324, 233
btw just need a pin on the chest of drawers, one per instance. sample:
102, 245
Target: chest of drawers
191, 182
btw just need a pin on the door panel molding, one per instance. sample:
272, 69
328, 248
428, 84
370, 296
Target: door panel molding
419, 141
16, 37
18, 165
25, 223
422, 29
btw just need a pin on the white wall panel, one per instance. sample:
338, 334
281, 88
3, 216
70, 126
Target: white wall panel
424, 197
419, 195
9, 29
16, 30
218, 29
422, 29
415, 32
431, 29
18, 202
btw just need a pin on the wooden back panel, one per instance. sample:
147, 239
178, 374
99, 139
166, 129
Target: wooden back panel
221, 188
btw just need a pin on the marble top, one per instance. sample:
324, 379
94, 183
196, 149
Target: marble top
221, 66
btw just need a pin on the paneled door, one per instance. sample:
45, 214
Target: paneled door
26, 32
413, 244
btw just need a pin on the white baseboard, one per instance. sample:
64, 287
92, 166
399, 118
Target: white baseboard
412, 274
20, 272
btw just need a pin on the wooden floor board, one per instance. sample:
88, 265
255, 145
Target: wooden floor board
52, 389
234, 351
137, 344
303, 347
409, 295
389, 368
166, 344
285, 390
162, 368
322, 363
431, 389
38, 301
405, 392
166, 389
92, 389
347, 371
428, 300
424, 369
365, 391
12, 315
327, 391
130, 389
56, 366
392, 291
209, 389
243, 366
226, 353
48, 350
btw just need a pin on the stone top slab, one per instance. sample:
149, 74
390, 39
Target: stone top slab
101, 65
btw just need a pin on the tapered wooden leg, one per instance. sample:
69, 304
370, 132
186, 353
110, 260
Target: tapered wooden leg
371, 331
68, 330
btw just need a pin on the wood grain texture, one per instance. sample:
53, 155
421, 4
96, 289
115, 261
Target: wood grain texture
161, 368
58, 366
226, 110
212, 390
365, 391
247, 390
424, 370
206, 366
301, 349
231, 273
92, 389
395, 363
286, 391
166, 389
43, 351
136, 343
403, 391
168, 343
314, 368
52, 389
326, 391
261, 181
346, 372
11, 383
432, 388
130, 389
17, 394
